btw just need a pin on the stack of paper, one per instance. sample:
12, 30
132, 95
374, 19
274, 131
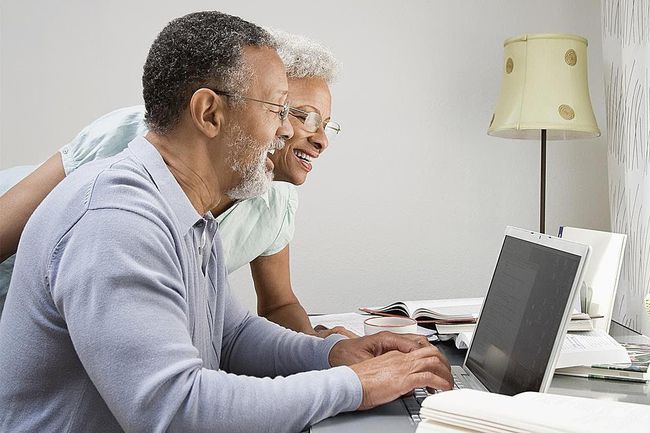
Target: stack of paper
594, 347
475, 411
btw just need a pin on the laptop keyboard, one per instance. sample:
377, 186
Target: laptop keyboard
414, 401
459, 381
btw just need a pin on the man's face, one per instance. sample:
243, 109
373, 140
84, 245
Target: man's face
296, 159
255, 127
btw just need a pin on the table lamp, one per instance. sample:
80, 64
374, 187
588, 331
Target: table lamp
544, 94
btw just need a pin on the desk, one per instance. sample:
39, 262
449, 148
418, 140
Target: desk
578, 386
575, 386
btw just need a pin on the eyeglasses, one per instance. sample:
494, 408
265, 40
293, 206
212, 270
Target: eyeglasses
313, 121
283, 113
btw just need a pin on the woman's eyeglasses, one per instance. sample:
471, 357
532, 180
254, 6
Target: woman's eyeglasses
313, 121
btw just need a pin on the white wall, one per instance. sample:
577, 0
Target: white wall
412, 199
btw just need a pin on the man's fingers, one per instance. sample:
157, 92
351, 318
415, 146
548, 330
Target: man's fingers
430, 380
405, 343
431, 351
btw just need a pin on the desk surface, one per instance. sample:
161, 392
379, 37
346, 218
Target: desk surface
579, 386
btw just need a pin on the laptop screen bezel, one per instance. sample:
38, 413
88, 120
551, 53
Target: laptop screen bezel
558, 244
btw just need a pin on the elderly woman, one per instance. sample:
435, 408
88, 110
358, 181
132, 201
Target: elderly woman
255, 231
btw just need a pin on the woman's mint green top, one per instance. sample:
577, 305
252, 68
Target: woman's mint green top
259, 226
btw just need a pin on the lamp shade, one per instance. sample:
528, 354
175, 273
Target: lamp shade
544, 86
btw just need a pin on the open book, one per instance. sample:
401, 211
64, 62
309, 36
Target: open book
468, 410
432, 311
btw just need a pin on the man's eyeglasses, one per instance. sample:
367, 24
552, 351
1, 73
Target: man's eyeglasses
283, 113
313, 121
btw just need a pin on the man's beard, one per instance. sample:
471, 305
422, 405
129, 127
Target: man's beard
255, 179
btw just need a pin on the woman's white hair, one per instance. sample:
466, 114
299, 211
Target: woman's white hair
303, 57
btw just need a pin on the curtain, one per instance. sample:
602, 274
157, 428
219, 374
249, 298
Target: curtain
626, 56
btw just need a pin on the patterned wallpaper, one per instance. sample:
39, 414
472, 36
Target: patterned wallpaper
626, 56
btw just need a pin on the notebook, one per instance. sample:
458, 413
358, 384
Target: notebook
519, 332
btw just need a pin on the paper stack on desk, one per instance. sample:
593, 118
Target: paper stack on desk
468, 410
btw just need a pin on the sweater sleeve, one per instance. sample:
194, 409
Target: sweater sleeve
123, 301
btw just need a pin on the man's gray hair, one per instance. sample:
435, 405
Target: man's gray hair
303, 57
201, 49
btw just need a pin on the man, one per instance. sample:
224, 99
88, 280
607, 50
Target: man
129, 324
256, 231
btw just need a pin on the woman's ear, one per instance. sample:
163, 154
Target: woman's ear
207, 112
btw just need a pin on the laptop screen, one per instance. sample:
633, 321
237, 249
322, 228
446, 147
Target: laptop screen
521, 316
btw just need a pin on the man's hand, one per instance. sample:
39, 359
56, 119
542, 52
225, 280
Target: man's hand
395, 373
322, 332
391, 365
352, 351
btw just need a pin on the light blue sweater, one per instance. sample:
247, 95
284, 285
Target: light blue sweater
119, 317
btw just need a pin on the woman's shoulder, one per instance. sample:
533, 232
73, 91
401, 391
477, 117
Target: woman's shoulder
104, 137
281, 193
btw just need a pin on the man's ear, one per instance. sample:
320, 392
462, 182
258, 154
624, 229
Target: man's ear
207, 112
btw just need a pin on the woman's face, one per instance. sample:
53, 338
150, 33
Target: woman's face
296, 158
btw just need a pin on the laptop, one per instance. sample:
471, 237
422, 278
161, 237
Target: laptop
518, 335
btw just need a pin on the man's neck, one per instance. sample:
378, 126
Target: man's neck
190, 164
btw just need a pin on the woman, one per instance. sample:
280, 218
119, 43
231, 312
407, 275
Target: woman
255, 231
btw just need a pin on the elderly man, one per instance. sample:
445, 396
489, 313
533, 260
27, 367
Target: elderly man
256, 231
124, 320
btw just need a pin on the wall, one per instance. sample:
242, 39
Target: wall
412, 200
